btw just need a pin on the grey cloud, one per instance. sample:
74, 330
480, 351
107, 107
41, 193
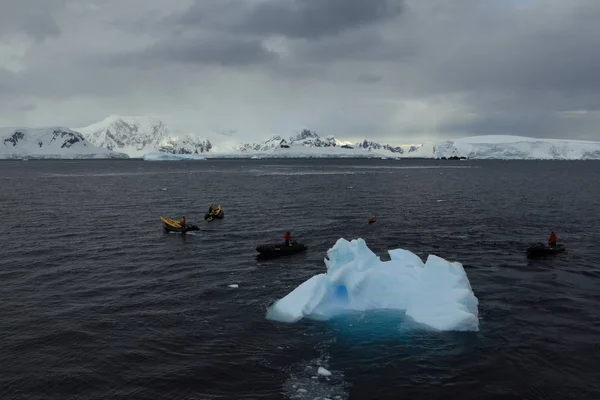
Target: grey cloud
547, 125
8, 85
368, 78
542, 49
363, 45
345, 29
215, 51
314, 19
26, 107
34, 18
301, 19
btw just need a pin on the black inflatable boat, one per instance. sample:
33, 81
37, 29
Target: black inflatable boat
541, 249
280, 249
171, 228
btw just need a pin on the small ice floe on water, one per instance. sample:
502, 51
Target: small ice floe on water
305, 385
233, 286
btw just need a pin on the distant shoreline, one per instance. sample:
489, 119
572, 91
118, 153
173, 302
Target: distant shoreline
210, 158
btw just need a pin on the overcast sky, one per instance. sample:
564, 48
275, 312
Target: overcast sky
391, 70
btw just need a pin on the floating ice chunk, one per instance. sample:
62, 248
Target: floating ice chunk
160, 156
323, 372
437, 294
233, 285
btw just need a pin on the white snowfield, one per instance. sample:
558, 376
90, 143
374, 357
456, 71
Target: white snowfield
158, 156
507, 147
436, 294
50, 142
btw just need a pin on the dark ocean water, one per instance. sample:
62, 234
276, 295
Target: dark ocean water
96, 302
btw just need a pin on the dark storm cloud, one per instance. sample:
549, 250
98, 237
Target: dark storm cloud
33, 18
314, 19
301, 19
341, 27
216, 51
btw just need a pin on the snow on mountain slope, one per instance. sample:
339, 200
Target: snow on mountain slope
518, 148
137, 136
51, 142
309, 144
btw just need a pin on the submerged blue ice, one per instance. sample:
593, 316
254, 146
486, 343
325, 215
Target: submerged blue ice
436, 294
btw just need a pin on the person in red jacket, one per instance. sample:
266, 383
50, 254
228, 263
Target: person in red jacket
287, 238
182, 222
552, 239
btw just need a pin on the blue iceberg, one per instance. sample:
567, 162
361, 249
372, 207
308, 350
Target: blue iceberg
436, 293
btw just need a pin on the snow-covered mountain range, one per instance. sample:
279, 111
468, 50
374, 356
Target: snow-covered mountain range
309, 144
137, 136
150, 138
52, 142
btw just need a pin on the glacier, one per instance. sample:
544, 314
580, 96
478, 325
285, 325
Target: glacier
160, 156
436, 294
508, 147
49, 142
